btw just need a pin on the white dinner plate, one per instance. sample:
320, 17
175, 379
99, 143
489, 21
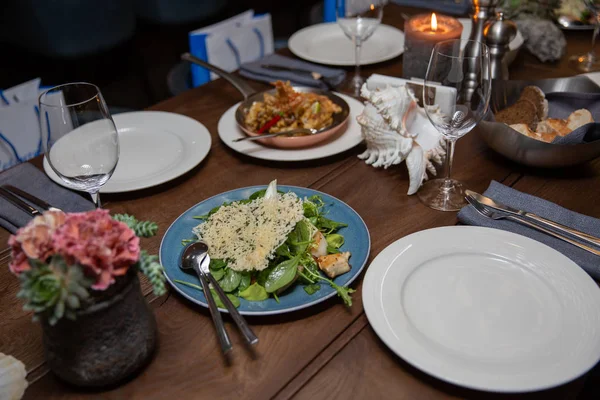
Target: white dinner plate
347, 137
155, 147
484, 308
326, 44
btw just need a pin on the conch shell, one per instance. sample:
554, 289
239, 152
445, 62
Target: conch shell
12, 378
386, 120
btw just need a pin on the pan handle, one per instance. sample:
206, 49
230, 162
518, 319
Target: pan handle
241, 85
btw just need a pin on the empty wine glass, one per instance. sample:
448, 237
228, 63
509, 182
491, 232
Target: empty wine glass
358, 20
79, 136
456, 96
589, 62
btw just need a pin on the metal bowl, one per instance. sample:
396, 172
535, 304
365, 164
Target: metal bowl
300, 140
523, 149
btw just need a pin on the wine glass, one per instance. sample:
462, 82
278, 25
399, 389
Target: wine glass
79, 137
358, 20
589, 62
456, 96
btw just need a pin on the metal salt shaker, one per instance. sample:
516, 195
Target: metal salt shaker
482, 11
498, 34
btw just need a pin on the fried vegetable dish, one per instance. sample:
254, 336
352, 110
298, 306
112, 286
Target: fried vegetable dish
287, 110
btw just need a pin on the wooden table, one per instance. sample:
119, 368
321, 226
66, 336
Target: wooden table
328, 351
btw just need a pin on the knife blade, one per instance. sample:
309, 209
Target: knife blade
29, 197
531, 217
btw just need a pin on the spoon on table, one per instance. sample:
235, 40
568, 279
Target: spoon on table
195, 256
297, 132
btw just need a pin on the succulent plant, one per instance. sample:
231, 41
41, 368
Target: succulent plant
141, 228
54, 290
150, 267
543, 9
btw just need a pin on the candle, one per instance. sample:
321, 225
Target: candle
421, 33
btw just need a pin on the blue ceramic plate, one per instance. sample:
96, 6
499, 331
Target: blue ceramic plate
357, 241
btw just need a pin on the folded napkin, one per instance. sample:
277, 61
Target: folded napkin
561, 105
30, 179
511, 197
255, 70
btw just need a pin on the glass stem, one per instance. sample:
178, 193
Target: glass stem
449, 158
592, 53
357, 48
96, 199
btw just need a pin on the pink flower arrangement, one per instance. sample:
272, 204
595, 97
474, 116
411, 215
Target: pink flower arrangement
104, 247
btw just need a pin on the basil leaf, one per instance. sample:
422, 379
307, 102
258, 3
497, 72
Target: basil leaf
335, 240
254, 292
218, 273
328, 225
230, 281
283, 251
263, 275
310, 209
234, 300
312, 289
299, 238
282, 274
216, 263
245, 281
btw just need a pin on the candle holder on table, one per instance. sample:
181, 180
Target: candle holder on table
422, 32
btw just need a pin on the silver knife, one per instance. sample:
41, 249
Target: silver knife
536, 219
29, 197
18, 202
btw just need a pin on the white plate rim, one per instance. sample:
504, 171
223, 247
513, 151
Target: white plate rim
228, 130
194, 157
372, 284
295, 47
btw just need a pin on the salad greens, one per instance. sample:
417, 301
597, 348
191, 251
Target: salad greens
292, 264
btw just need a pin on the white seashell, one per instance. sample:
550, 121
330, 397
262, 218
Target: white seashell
391, 103
388, 141
12, 378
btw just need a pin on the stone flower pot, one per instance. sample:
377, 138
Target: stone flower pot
108, 342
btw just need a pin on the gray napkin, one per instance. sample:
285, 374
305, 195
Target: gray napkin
511, 197
30, 179
561, 105
254, 70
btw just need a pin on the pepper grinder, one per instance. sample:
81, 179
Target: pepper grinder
498, 34
482, 11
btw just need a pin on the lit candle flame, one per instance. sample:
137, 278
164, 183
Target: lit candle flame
372, 7
433, 22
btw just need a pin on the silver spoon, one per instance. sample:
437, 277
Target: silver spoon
199, 251
305, 132
192, 257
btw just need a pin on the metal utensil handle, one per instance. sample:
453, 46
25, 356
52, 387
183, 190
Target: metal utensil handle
27, 196
282, 68
594, 241
18, 202
214, 313
270, 135
239, 320
245, 89
553, 233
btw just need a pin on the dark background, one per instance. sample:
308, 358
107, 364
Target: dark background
131, 73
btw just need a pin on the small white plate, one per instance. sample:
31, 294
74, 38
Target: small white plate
155, 147
326, 44
484, 308
347, 137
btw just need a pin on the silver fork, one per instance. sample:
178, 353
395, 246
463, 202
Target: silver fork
496, 215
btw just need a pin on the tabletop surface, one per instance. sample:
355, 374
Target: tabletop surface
327, 351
